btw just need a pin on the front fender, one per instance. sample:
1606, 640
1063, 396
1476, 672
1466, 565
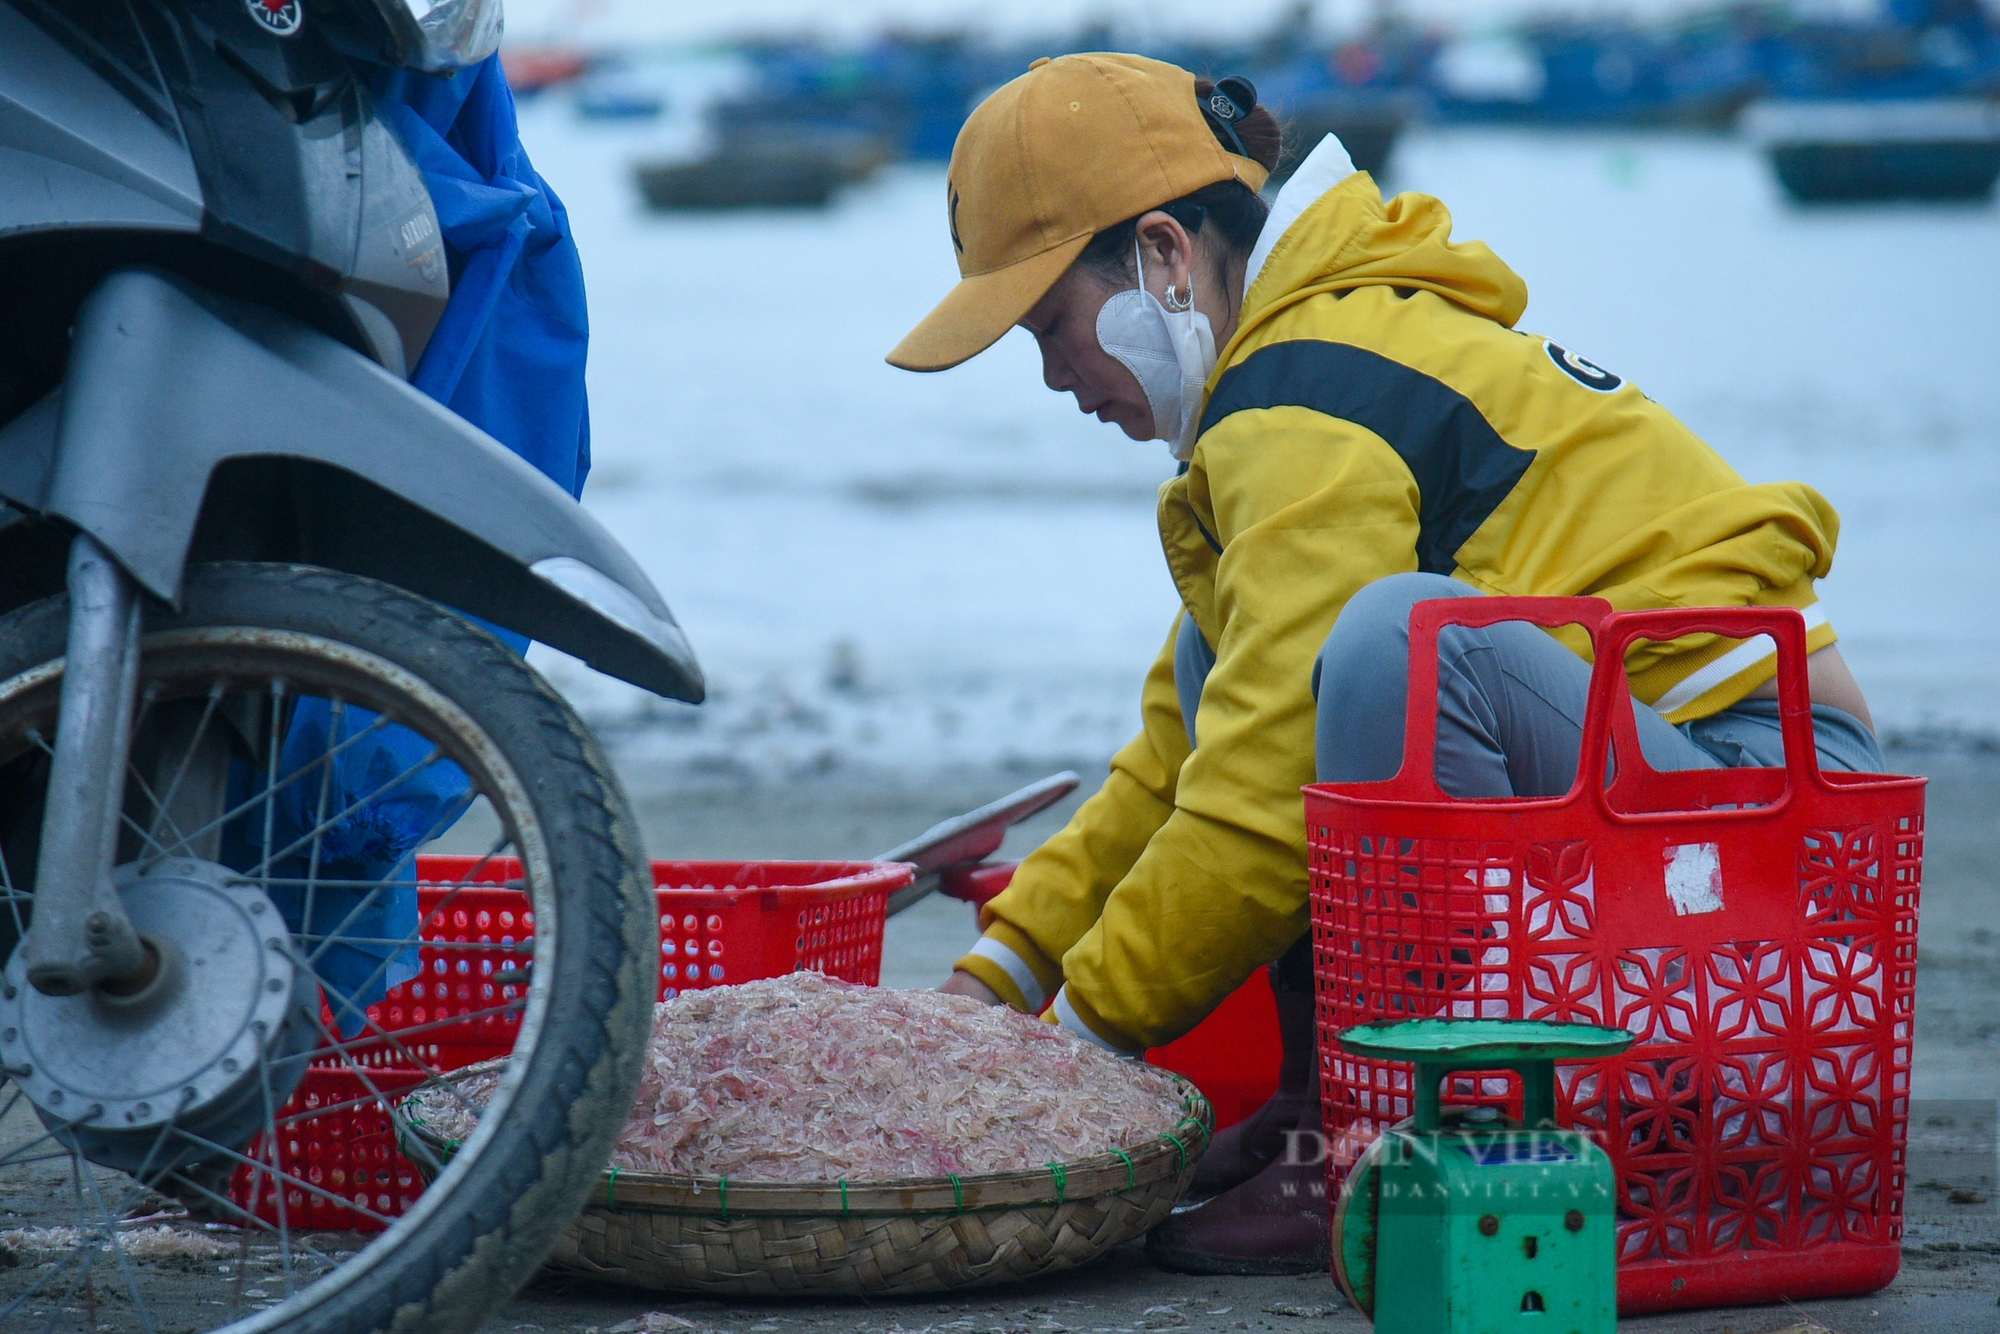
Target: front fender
171, 388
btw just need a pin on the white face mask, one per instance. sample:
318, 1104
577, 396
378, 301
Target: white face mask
1169, 352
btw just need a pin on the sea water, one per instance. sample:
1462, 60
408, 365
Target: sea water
897, 570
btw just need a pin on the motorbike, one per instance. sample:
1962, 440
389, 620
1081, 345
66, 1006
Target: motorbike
251, 696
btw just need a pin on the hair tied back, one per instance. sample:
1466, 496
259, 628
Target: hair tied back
1232, 100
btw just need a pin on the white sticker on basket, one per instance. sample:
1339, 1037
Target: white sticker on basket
1694, 878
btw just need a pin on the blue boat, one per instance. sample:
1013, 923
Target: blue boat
1698, 73
912, 94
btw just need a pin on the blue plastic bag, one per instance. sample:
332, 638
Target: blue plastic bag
508, 356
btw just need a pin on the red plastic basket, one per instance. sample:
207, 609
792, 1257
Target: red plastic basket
336, 1134
1232, 1056
1757, 928
720, 923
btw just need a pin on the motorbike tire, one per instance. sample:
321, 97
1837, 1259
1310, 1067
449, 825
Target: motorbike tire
481, 1231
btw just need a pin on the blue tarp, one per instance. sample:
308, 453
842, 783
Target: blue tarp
508, 356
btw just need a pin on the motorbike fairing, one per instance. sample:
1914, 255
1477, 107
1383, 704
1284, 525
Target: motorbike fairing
73, 157
158, 120
186, 411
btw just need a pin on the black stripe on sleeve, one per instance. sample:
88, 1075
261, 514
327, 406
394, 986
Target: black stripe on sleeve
1462, 466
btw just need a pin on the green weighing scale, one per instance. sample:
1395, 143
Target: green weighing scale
1450, 1225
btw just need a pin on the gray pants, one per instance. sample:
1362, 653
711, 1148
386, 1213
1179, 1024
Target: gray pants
1510, 711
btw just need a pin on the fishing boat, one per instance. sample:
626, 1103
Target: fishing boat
1854, 151
798, 166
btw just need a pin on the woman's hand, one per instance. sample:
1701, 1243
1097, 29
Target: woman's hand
963, 983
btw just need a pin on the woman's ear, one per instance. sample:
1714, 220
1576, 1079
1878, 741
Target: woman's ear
1167, 251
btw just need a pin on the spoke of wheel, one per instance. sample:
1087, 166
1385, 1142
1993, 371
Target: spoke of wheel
273, 744
311, 960
338, 934
279, 1175
86, 1254
367, 1040
132, 1191
382, 1034
271, 858
134, 826
393, 1037
50, 1133
15, 897
79, 1175
146, 791
327, 1108
276, 784
338, 716
278, 1196
166, 802
35, 735
394, 942
124, 1260
248, 1219
332, 1040
76, 1258
147, 698
17, 1154
360, 1072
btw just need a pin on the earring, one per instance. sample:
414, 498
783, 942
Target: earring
1176, 302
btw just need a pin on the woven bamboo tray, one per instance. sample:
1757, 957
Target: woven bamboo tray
923, 1234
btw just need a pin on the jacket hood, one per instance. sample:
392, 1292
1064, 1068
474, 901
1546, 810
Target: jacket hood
1350, 238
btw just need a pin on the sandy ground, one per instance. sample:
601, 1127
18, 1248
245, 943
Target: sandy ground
1950, 1282
1951, 1256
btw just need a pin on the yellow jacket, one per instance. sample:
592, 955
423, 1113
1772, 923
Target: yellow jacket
1375, 412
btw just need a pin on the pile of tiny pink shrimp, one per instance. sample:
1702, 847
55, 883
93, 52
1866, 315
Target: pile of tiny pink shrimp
804, 1078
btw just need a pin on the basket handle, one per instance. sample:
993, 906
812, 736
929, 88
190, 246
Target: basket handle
1417, 780
1609, 722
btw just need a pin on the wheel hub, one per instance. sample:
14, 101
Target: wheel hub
227, 1014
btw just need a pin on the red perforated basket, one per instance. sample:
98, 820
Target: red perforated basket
720, 923
1757, 928
336, 1134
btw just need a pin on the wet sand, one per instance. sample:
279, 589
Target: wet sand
1951, 1249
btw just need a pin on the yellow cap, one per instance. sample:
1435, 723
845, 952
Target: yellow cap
1075, 145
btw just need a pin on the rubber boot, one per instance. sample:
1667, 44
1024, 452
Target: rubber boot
1274, 1223
1254, 1143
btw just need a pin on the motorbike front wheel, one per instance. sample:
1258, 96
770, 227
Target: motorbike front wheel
187, 1160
